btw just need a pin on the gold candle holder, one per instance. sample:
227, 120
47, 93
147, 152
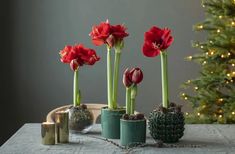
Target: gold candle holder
48, 133
62, 126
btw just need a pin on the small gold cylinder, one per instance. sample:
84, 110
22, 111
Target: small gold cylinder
48, 133
62, 126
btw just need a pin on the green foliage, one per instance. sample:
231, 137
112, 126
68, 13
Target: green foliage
213, 97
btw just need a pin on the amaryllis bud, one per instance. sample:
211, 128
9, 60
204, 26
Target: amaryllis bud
110, 40
126, 78
136, 75
74, 64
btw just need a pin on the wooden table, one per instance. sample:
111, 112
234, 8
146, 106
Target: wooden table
197, 139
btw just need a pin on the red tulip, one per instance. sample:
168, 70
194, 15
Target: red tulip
104, 33
133, 76
78, 55
156, 40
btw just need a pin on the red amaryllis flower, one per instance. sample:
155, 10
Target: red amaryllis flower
104, 33
156, 40
119, 32
100, 33
78, 55
133, 76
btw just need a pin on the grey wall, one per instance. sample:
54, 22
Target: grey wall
35, 81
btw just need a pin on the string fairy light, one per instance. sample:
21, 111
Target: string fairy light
220, 116
186, 113
190, 57
229, 54
233, 23
233, 113
221, 100
200, 27
204, 62
201, 46
218, 30
189, 81
211, 41
222, 56
196, 88
185, 98
228, 75
220, 16
198, 114
233, 65
183, 94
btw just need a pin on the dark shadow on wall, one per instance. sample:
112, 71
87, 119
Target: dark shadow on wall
8, 110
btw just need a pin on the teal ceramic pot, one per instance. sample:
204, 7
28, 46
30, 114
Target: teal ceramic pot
110, 122
167, 127
133, 132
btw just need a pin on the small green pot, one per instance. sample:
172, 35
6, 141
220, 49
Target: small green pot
110, 122
133, 132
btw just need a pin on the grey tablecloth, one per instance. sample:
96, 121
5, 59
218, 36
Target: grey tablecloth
197, 139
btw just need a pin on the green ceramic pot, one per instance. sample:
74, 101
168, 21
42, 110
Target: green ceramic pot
110, 122
133, 132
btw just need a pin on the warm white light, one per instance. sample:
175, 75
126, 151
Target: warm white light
233, 65
233, 113
220, 116
221, 99
201, 47
198, 114
228, 75
196, 88
220, 17
229, 54
218, 31
222, 56
186, 113
200, 26
190, 57
232, 23
204, 62
183, 94
185, 98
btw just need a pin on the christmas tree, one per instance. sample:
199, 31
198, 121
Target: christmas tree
213, 92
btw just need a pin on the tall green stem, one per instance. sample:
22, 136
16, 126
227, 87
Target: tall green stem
128, 100
109, 79
76, 93
115, 76
132, 105
165, 93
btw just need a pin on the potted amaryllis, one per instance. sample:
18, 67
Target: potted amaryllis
133, 126
77, 56
112, 36
166, 123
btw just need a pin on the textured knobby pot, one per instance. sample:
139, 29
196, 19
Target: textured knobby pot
80, 119
110, 122
133, 132
167, 127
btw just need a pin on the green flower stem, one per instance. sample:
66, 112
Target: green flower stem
109, 79
133, 96
165, 93
132, 106
115, 76
128, 100
76, 92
